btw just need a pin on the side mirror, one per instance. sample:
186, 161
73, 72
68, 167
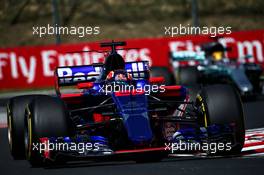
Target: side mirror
86, 85
156, 80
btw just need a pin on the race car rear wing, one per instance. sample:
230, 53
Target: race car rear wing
72, 75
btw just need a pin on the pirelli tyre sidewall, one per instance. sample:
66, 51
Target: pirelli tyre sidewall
45, 117
221, 104
15, 120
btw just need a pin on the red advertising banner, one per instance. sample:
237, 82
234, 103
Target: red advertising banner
32, 67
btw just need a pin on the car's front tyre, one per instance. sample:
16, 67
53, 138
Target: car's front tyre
45, 117
221, 104
15, 121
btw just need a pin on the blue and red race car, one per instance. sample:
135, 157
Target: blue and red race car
119, 111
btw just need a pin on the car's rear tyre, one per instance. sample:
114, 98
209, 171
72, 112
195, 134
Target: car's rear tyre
45, 117
15, 120
188, 76
221, 104
162, 72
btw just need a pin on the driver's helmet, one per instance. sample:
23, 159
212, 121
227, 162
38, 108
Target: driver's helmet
113, 62
214, 50
217, 55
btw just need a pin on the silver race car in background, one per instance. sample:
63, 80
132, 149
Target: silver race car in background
211, 67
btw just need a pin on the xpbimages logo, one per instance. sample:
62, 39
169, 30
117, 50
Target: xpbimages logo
194, 30
78, 147
80, 31
127, 88
211, 147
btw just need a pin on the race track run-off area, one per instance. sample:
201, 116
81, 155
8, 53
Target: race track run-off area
250, 161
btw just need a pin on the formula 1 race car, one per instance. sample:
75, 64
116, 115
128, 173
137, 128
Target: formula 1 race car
119, 112
214, 68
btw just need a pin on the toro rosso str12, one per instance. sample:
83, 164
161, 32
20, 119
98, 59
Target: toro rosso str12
120, 112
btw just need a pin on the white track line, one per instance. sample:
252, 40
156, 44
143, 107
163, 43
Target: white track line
253, 155
253, 148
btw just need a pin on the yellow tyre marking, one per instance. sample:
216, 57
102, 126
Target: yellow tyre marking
203, 109
29, 133
30, 137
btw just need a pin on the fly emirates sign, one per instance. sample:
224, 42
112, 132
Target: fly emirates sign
27, 69
33, 67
